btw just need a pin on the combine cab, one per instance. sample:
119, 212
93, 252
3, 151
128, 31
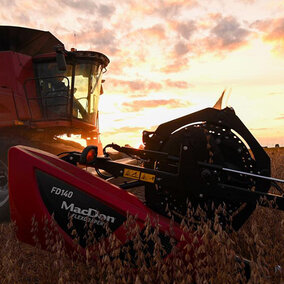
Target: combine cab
45, 92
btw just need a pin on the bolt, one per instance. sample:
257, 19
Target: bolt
71, 158
201, 195
185, 148
121, 171
161, 142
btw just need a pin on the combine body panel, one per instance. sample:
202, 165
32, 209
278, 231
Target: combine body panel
45, 92
13, 103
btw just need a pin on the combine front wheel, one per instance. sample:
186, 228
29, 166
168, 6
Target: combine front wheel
4, 193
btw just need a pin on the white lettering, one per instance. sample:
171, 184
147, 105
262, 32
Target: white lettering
95, 213
87, 214
61, 192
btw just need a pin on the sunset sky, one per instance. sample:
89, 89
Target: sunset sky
170, 58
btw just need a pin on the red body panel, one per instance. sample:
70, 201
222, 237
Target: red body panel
26, 200
16, 68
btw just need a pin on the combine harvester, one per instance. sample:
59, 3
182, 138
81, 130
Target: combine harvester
204, 157
45, 92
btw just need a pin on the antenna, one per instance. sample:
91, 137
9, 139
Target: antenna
75, 39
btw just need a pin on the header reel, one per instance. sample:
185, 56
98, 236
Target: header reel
204, 157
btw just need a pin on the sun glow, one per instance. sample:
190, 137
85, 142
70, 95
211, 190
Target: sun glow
174, 57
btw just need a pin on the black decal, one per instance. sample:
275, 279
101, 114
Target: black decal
66, 201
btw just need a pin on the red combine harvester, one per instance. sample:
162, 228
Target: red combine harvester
204, 157
45, 92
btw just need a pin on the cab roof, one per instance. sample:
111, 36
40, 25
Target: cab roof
27, 41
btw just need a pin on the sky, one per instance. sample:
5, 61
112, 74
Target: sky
170, 58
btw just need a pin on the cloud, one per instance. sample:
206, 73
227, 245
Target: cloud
86, 5
259, 129
181, 48
272, 31
155, 31
95, 38
247, 1
133, 86
176, 65
164, 8
227, 34
177, 84
154, 86
106, 10
138, 105
185, 29
172, 8
139, 88
7, 3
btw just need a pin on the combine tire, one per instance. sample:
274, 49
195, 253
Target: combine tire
4, 193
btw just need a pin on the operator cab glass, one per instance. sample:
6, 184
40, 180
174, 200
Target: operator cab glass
54, 89
87, 86
79, 86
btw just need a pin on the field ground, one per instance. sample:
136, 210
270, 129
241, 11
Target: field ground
260, 240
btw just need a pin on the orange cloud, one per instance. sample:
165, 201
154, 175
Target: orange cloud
164, 8
176, 65
177, 84
154, 31
138, 105
280, 117
133, 86
273, 31
184, 29
143, 87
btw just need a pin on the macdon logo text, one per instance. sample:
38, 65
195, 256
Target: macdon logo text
85, 214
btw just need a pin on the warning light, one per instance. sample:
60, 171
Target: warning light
89, 155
